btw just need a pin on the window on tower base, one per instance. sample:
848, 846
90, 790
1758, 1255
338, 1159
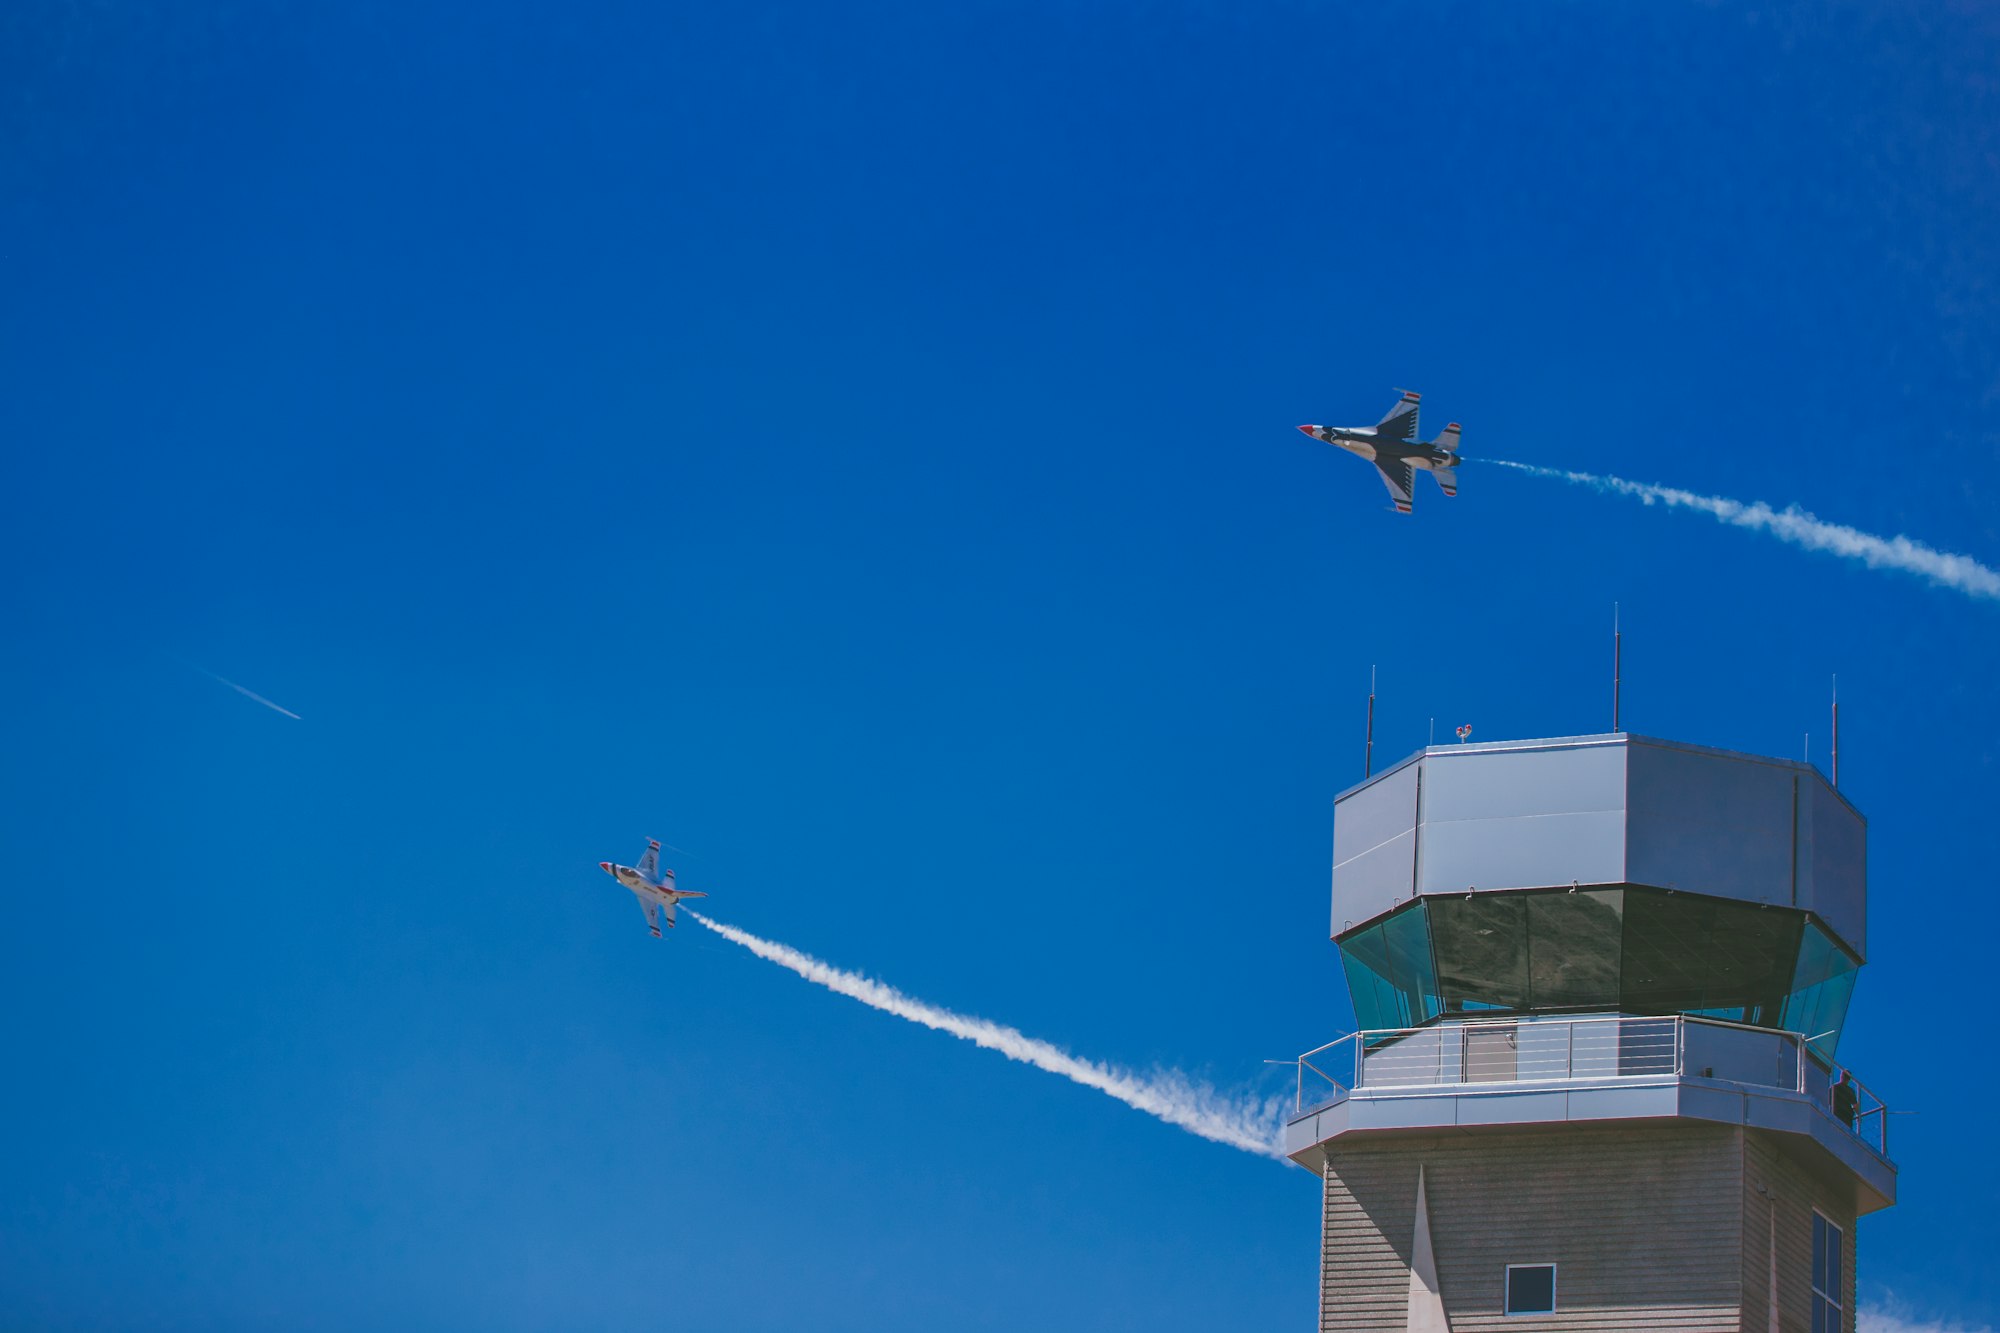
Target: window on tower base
1531, 1288
1826, 1284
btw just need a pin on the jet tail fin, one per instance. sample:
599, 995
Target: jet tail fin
1447, 476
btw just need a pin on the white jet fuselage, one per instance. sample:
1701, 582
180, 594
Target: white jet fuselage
651, 885
663, 892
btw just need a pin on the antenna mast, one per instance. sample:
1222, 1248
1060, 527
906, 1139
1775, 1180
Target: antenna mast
1617, 664
1836, 731
1368, 755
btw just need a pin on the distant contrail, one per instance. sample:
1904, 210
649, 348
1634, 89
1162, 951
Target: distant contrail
1240, 1123
276, 708
1960, 573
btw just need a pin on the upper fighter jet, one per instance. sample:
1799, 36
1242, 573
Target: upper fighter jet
1392, 445
652, 886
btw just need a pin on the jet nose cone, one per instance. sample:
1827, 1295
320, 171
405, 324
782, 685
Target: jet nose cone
605, 866
1309, 430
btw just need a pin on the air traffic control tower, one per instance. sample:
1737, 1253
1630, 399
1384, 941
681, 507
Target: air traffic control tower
1599, 983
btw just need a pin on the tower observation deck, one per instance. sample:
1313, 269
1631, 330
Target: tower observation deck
1599, 983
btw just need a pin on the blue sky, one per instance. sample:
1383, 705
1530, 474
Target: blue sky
856, 445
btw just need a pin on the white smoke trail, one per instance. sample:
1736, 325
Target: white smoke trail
276, 708
1960, 573
1240, 1123
1895, 1316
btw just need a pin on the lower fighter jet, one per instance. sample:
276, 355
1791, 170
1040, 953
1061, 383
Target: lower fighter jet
652, 886
1392, 445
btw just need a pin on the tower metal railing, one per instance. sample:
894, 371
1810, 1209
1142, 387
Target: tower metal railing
1487, 1052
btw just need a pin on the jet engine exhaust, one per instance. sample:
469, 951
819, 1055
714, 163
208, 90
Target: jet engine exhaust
1960, 573
1240, 1122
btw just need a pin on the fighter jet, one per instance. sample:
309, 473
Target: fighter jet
652, 886
1392, 445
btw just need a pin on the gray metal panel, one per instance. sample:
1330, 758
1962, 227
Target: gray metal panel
1374, 881
1420, 1112
1374, 846
1600, 810
1709, 823
1514, 1108
1740, 1055
1303, 1133
1728, 1105
1763, 1108
1641, 1101
1876, 1173
1512, 784
1522, 853
1510, 819
1833, 869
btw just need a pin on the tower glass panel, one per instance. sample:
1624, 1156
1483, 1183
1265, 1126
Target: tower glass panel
1390, 972
1612, 948
1821, 988
1482, 951
1575, 947
1685, 953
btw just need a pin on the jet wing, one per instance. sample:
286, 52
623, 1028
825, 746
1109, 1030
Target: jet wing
652, 910
649, 864
1396, 476
1401, 423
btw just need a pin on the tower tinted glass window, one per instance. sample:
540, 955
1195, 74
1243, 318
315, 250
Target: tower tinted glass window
1707, 956
1482, 951
1575, 947
1821, 987
1622, 948
1389, 971
1531, 1288
1826, 1277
